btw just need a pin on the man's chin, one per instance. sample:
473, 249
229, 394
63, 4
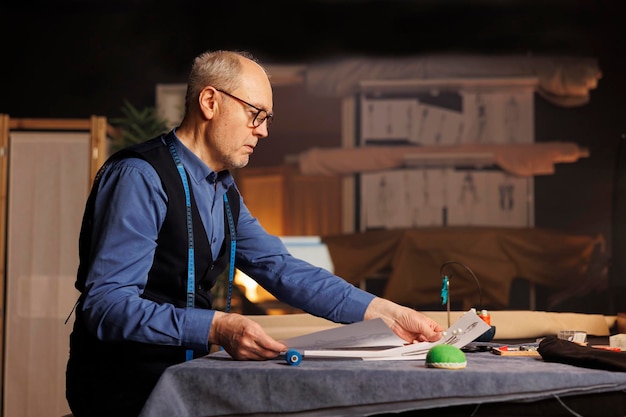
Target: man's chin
241, 163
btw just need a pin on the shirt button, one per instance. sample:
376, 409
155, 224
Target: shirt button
214, 239
212, 266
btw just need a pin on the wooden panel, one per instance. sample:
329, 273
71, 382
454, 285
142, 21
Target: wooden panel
98, 142
40, 214
96, 125
314, 205
4, 145
48, 183
288, 203
49, 124
264, 197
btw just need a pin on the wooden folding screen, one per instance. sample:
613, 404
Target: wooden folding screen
46, 169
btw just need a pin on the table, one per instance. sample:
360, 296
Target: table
216, 385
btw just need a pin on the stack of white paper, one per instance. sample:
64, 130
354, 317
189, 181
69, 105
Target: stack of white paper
374, 340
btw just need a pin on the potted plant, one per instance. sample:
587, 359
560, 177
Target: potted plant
136, 126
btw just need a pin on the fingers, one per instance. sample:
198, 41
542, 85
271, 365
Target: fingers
404, 321
258, 347
432, 333
242, 338
412, 325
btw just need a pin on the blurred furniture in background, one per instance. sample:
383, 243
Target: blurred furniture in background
403, 264
46, 169
289, 203
410, 262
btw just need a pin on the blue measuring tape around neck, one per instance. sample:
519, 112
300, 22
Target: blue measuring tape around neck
233, 248
191, 277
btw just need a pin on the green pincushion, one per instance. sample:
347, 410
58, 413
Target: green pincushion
446, 357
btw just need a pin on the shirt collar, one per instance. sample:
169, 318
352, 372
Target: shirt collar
198, 171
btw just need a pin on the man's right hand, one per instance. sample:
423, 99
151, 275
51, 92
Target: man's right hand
242, 338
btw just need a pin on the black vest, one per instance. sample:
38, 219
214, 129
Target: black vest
109, 363
167, 279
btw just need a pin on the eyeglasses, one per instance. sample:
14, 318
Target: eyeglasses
260, 116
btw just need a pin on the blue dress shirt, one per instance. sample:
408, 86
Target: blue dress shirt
129, 211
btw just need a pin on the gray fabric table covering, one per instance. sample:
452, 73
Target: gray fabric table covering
219, 386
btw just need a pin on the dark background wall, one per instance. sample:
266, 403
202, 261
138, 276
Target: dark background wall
78, 58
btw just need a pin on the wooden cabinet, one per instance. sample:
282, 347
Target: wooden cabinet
288, 203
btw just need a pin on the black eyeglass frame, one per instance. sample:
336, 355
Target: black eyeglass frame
269, 117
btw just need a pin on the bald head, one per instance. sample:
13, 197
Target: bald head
224, 70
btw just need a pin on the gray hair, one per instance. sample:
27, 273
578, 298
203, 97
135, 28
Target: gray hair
220, 69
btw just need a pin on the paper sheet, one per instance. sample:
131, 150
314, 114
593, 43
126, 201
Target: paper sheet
363, 334
373, 340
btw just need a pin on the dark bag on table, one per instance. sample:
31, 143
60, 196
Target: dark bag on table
553, 349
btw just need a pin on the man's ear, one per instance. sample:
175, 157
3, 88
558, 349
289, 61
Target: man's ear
207, 102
